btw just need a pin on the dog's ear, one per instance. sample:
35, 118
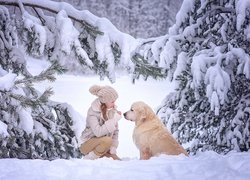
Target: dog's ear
148, 113
141, 114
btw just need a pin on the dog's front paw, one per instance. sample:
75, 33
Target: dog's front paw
145, 154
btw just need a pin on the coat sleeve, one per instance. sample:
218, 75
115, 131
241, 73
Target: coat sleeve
115, 141
100, 130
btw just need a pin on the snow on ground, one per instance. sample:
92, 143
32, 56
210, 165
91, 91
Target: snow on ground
204, 166
74, 90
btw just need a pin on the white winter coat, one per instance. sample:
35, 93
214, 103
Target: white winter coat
97, 126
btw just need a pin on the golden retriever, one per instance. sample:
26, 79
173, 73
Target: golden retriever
150, 135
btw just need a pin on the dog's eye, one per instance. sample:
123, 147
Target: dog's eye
131, 110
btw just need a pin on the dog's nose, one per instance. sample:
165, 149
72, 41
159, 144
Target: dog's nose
124, 114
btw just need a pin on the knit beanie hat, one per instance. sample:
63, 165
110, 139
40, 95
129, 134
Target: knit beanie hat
104, 93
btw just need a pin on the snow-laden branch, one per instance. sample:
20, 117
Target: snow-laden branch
243, 61
101, 35
218, 84
7, 81
241, 11
84, 17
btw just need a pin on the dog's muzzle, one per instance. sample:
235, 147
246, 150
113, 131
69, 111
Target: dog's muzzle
124, 114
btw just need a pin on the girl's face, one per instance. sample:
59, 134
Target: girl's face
110, 104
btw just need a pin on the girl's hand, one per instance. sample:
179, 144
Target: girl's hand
119, 112
117, 116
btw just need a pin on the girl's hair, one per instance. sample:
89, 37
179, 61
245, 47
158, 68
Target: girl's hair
104, 111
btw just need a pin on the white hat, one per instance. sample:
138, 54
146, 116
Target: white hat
104, 93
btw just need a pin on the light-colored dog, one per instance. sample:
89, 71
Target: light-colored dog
150, 135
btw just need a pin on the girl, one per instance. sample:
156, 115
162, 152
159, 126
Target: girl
100, 137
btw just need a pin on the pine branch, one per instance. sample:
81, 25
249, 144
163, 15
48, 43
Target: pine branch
145, 69
41, 19
30, 102
217, 10
53, 9
45, 96
43, 120
116, 51
55, 67
30, 89
24, 101
48, 74
90, 29
7, 45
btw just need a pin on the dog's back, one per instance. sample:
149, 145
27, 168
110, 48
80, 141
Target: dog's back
156, 137
166, 143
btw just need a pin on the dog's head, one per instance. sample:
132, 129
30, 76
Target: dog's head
139, 111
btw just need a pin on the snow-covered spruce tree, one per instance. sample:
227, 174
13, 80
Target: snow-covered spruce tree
31, 126
206, 55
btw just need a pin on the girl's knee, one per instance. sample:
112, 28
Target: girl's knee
84, 150
106, 140
104, 145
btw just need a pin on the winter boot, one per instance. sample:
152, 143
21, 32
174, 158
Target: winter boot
113, 156
91, 155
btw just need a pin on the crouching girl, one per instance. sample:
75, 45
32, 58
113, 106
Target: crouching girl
100, 136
